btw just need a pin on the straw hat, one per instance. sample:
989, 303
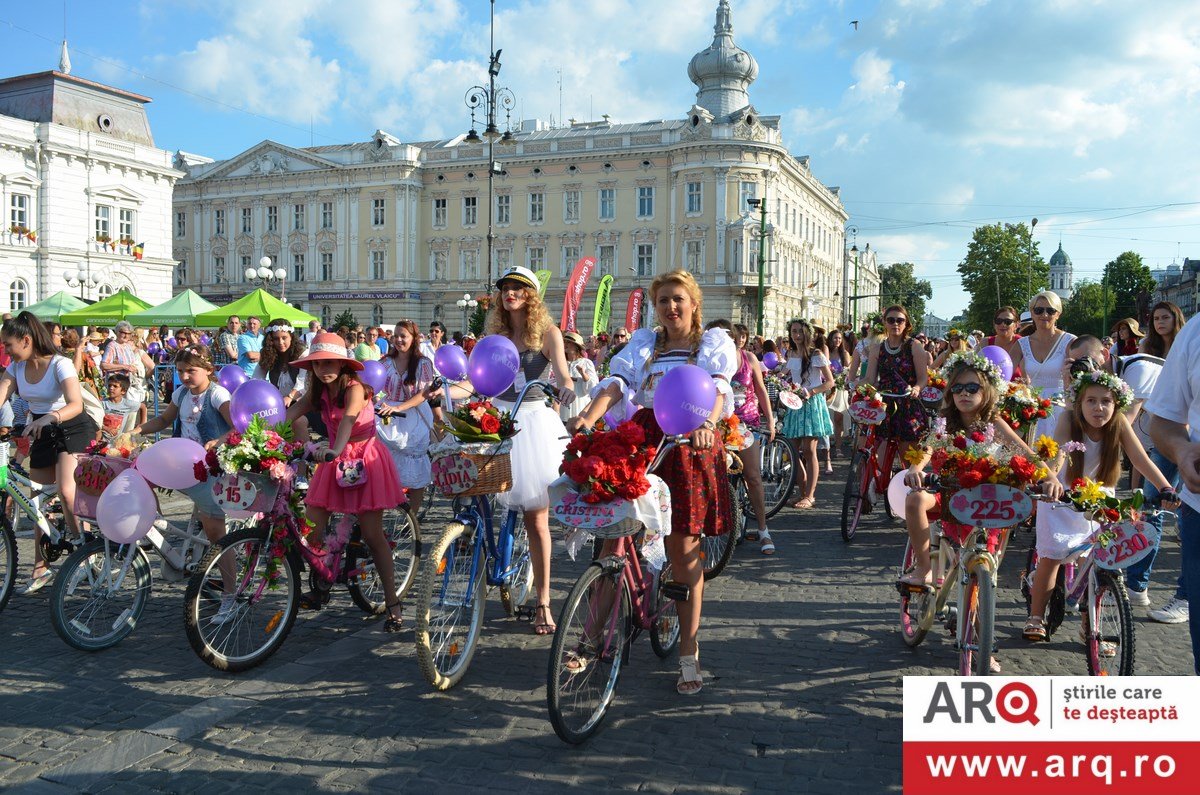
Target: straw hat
571, 336
327, 347
1134, 327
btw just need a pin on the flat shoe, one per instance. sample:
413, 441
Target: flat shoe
766, 545
38, 582
690, 681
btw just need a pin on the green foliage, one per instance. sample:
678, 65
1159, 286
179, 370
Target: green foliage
479, 317
344, 318
1002, 268
898, 284
1084, 313
1127, 277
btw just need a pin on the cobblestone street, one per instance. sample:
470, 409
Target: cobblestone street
802, 653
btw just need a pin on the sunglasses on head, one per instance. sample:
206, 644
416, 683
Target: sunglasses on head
1045, 310
970, 389
1003, 321
896, 320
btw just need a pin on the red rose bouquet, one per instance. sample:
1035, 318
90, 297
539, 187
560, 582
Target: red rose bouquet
966, 459
865, 393
480, 421
607, 465
1022, 406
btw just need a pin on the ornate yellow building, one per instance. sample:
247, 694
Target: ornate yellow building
393, 230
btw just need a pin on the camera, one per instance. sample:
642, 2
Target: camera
1084, 365
436, 383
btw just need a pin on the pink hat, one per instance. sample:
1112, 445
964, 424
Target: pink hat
327, 347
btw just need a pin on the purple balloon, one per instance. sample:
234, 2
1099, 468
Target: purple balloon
231, 377
205, 339
684, 399
374, 375
493, 365
771, 360
256, 399
1000, 357
451, 362
622, 413
153, 349
172, 343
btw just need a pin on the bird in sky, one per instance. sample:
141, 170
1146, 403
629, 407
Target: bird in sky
854, 22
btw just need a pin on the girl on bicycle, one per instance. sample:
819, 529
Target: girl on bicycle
1095, 421
694, 472
281, 348
973, 385
838, 397
519, 314
405, 416
899, 365
809, 371
58, 423
355, 476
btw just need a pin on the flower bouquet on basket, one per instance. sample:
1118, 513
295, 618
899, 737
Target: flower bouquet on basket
866, 407
473, 458
1123, 537
1022, 406
735, 434
935, 390
788, 394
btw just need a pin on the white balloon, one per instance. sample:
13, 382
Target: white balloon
897, 492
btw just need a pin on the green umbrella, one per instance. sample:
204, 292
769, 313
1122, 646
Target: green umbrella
260, 304
55, 306
180, 311
107, 312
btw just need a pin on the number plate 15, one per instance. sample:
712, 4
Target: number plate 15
1128, 543
990, 505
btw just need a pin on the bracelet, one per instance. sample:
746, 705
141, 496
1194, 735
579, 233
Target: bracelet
708, 425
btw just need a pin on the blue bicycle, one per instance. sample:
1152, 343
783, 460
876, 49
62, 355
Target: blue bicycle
468, 558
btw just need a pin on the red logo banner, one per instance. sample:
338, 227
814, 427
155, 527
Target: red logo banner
574, 297
633, 311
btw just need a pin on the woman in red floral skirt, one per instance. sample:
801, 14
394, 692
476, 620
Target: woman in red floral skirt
696, 472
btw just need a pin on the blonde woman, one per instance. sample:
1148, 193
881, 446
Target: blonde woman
1042, 356
519, 314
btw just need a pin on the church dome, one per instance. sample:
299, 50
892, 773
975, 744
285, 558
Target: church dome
1059, 259
723, 72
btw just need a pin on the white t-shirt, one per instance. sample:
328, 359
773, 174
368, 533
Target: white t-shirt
1141, 373
1177, 394
191, 406
812, 378
46, 395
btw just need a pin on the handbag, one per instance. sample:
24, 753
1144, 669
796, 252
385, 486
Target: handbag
350, 473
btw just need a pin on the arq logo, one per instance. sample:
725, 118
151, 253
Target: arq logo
1015, 702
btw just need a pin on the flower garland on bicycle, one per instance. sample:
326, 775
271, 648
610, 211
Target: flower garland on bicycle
695, 473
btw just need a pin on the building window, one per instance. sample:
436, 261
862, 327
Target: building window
645, 259
103, 222
608, 204
273, 218
327, 215
749, 191
181, 272
180, 224
645, 207
326, 266
536, 258
752, 256
570, 255
503, 259
19, 215
377, 315
18, 295
125, 220
537, 208
503, 210
298, 217
571, 206
297, 267
245, 262
608, 260
104, 291
378, 212
218, 221
695, 204
326, 315
439, 213
470, 210
377, 264
247, 221
693, 255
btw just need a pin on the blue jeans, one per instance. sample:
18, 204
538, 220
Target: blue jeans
1138, 575
1189, 534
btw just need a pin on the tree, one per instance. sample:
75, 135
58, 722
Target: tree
1127, 279
899, 285
479, 316
1084, 313
1002, 268
344, 318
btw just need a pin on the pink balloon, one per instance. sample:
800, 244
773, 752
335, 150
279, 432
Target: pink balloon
231, 377
493, 365
127, 508
897, 492
170, 463
684, 399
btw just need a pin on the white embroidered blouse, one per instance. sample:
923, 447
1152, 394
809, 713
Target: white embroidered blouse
633, 369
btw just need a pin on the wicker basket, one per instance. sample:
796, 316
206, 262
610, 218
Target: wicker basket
93, 473
625, 527
491, 470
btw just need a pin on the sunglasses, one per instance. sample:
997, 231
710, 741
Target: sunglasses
970, 389
896, 320
620, 336
1003, 321
1045, 310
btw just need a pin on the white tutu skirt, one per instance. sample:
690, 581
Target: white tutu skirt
537, 452
407, 441
1060, 530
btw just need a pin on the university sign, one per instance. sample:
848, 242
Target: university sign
378, 295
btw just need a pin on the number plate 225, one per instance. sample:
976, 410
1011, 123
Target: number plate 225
991, 505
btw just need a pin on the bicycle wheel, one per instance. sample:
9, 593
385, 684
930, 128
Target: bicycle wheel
236, 627
8, 561
854, 496
450, 607
1056, 607
778, 474
93, 604
515, 592
912, 605
589, 646
403, 535
979, 624
741, 495
1108, 627
715, 551
664, 634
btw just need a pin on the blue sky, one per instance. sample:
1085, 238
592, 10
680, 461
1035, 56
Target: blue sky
933, 116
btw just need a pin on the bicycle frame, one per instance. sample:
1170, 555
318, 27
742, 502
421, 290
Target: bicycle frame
953, 565
31, 505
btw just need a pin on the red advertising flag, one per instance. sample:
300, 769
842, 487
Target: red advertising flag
633, 311
574, 296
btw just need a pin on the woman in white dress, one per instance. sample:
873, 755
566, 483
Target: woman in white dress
405, 417
1042, 356
583, 373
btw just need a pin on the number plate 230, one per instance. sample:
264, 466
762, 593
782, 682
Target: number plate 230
1127, 543
991, 505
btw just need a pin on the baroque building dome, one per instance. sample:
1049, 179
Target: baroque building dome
723, 72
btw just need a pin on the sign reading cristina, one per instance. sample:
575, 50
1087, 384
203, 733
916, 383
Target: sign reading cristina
381, 295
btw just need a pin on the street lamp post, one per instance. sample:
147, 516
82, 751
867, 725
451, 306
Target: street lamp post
761, 206
488, 100
262, 276
853, 232
466, 303
1029, 260
81, 278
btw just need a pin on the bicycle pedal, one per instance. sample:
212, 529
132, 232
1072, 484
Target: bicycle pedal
524, 613
676, 590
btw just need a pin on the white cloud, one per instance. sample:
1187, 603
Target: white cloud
1095, 175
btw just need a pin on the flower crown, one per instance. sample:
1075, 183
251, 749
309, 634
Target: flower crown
954, 333
278, 327
875, 321
977, 362
806, 323
1121, 390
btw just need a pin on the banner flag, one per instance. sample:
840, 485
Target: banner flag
603, 305
633, 311
574, 295
543, 278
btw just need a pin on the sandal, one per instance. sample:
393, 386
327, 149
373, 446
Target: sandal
994, 666
1035, 629
915, 581
690, 681
394, 622
803, 504
765, 544
544, 627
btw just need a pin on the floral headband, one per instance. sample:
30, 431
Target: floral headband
1121, 390
806, 324
282, 327
977, 362
875, 321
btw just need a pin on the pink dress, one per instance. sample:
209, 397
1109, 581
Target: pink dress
382, 488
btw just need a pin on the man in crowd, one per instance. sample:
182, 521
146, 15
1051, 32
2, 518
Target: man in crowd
313, 329
249, 345
225, 351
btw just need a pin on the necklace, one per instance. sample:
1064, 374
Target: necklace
890, 349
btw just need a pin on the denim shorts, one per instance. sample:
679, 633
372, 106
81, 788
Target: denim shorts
202, 496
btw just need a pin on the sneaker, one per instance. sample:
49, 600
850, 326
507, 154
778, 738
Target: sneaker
227, 611
1139, 598
1173, 612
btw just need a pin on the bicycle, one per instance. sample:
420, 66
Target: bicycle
613, 601
778, 466
866, 469
466, 560
966, 560
238, 627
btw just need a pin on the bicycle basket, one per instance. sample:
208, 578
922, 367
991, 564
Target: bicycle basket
244, 494
93, 473
474, 469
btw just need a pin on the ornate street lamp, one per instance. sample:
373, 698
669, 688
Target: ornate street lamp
466, 303
263, 276
82, 278
761, 206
